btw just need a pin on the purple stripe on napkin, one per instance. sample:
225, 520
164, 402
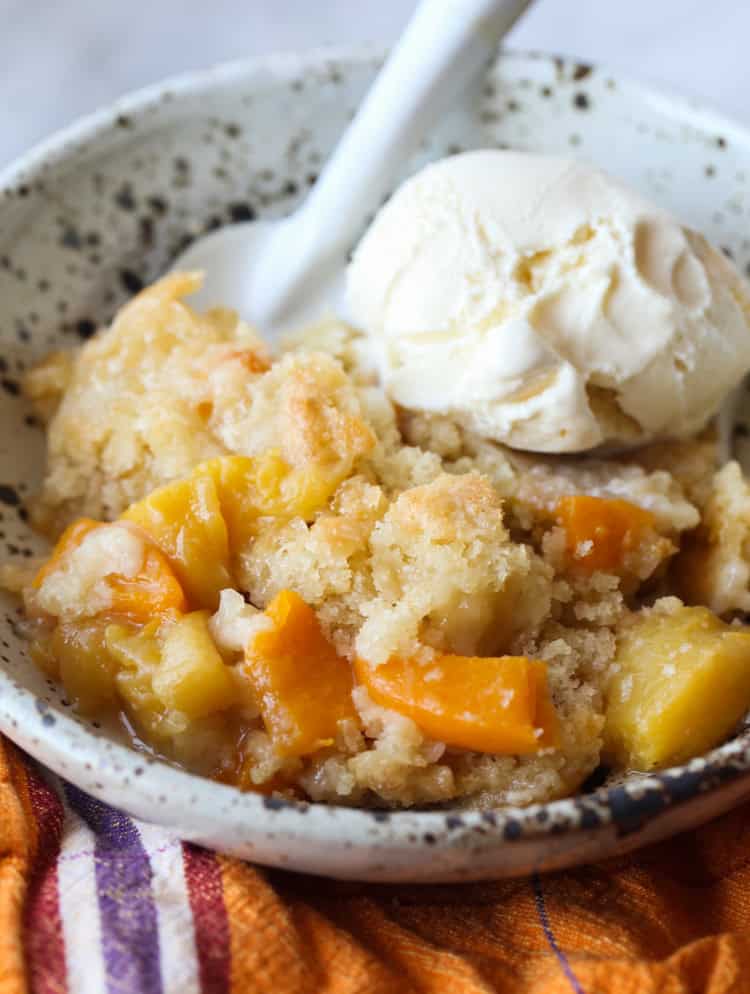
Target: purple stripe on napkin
130, 938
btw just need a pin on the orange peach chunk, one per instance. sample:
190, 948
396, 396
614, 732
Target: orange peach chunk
153, 591
303, 686
494, 704
601, 532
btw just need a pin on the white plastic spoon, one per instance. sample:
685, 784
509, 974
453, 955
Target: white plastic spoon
280, 273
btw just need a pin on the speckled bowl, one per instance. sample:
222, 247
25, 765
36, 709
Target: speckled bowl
93, 214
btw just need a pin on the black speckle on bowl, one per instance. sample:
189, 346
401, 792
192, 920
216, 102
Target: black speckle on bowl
85, 328
10, 386
70, 238
629, 810
239, 212
181, 165
512, 830
158, 205
589, 817
131, 281
277, 804
146, 231
124, 197
9, 495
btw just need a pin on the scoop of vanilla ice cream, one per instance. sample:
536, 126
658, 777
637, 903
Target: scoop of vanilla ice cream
547, 306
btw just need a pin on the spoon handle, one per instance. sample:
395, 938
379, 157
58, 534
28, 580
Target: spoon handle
444, 46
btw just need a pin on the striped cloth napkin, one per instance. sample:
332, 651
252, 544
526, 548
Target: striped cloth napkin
92, 902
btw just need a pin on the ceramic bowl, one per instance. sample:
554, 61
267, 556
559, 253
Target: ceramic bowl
89, 217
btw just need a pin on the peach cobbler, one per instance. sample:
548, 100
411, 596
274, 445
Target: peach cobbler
281, 579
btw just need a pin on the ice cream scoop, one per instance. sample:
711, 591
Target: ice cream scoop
547, 306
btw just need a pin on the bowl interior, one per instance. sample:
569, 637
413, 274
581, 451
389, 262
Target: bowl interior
89, 218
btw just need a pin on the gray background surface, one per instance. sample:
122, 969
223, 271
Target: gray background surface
63, 58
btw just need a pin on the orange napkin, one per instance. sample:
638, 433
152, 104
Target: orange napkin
91, 900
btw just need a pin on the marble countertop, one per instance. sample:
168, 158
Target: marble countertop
61, 60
